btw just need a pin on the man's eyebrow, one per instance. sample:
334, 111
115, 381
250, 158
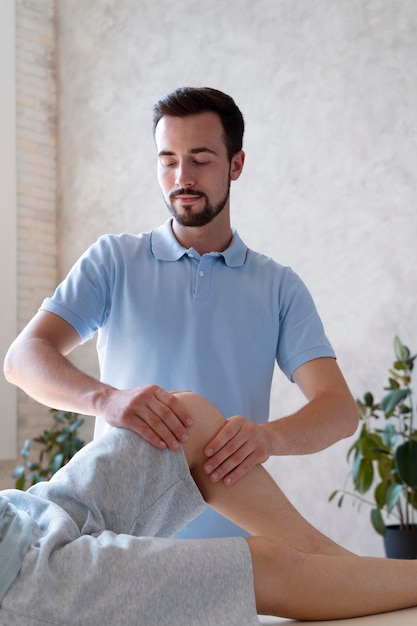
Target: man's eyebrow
202, 149
192, 151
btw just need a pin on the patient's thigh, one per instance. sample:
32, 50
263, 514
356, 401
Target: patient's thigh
123, 580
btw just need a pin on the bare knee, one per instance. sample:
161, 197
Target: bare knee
208, 420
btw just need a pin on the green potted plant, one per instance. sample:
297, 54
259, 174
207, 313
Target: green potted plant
58, 445
383, 458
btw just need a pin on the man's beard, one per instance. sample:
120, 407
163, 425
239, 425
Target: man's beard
202, 217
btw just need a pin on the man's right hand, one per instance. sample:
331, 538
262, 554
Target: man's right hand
155, 414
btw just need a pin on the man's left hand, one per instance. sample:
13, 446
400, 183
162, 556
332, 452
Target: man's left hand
237, 447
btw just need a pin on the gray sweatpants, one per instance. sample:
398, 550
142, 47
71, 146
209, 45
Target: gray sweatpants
101, 553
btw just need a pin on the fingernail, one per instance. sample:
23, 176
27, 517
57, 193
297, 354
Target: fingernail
208, 468
189, 422
176, 445
227, 481
209, 452
185, 437
215, 476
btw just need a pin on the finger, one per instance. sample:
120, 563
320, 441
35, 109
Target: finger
235, 434
230, 464
140, 427
165, 415
231, 450
175, 406
164, 426
232, 477
222, 438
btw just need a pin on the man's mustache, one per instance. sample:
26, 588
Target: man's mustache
186, 192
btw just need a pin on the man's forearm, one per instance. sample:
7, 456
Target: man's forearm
319, 424
329, 415
36, 367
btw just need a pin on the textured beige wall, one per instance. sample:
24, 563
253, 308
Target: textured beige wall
328, 90
8, 219
36, 172
36, 183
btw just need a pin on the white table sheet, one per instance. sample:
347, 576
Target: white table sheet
406, 617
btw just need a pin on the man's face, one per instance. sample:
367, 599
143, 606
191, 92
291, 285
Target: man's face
194, 171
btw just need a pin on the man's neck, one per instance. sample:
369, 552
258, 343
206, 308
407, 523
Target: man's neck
213, 237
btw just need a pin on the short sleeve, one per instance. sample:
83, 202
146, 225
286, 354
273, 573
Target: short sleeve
302, 337
82, 299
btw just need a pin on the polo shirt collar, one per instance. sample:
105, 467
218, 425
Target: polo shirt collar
165, 247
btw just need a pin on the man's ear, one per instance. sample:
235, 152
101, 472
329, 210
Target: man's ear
236, 165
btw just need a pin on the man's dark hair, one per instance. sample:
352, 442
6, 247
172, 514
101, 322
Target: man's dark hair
192, 100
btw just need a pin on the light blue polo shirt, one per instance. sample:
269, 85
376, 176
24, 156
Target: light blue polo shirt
213, 323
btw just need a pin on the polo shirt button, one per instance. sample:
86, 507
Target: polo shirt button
201, 273
191, 255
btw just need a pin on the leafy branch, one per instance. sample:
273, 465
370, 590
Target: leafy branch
59, 444
386, 453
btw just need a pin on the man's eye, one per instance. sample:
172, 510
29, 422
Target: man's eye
201, 162
168, 163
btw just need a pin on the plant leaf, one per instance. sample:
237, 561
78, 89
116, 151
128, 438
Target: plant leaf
392, 496
393, 383
394, 397
412, 499
25, 449
19, 471
333, 495
33, 466
372, 445
57, 462
406, 462
389, 436
368, 399
385, 466
402, 353
380, 493
378, 522
365, 476
20, 483
357, 459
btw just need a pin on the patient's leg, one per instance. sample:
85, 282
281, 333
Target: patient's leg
298, 572
293, 584
255, 502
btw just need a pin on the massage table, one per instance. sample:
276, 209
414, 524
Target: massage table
406, 617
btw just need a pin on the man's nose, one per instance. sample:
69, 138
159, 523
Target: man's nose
184, 175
